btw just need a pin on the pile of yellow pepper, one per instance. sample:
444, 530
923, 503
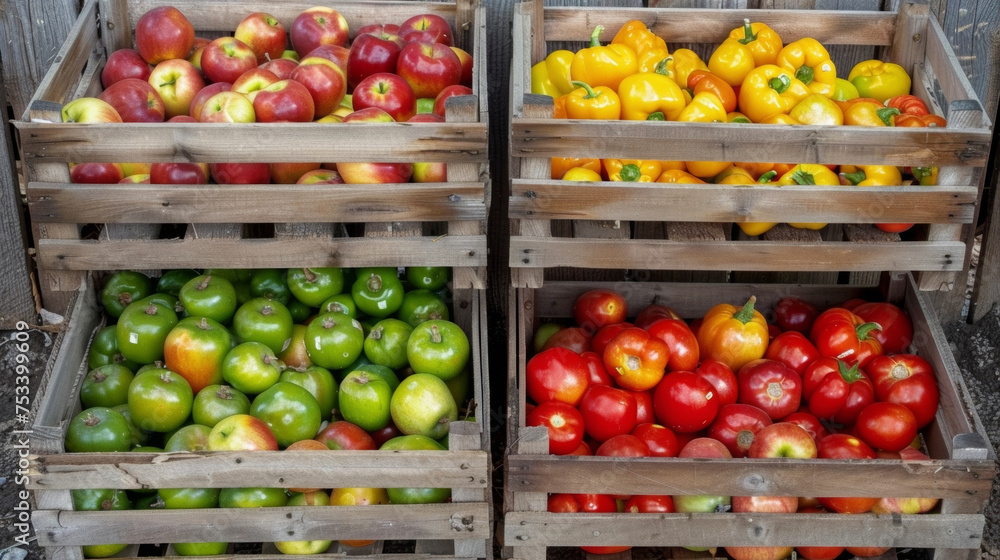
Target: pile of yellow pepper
750, 77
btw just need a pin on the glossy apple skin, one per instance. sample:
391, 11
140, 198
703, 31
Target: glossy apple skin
783, 439
320, 177
203, 95
428, 67
93, 172
177, 81
369, 172
255, 79
163, 33
240, 173
318, 26
264, 34
286, 100
280, 67
334, 53
426, 27
124, 63
388, 92
241, 432
138, 178
467, 64
135, 101
89, 110
178, 173
227, 107
226, 58
324, 80
285, 173
450, 91
370, 54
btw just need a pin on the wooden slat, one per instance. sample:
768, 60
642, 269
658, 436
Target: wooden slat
122, 203
535, 199
426, 521
262, 253
954, 83
529, 252
744, 529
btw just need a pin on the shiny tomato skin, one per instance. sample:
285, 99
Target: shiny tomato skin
795, 314
572, 338
564, 423
623, 445
771, 386
653, 312
835, 391
793, 349
839, 333
907, 379
809, 422
644, 406
595, 365
722, 378
896, 333
650, 504
735, 426
596, 308
885, 425
683, 344
563, 503
845, 446
635, 359
607, 412
661, 440
685, 402
557, 374
603, 336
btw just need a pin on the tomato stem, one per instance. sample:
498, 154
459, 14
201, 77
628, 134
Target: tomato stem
851, 374
435, 334
374, 283
310, 275
91, 420
376, 333
203, 285
203, 324
124, 298
151, 309
99, 376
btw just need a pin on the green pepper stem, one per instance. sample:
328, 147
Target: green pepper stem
748, 35
657, 116
745, 314
595, 37
886, 114
780, 83
661, 66
630, 173
805, 74
866, 328
591, 94
851, 374
855, 177
802, 177
766, 177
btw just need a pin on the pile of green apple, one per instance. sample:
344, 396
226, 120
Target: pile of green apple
316, 70
271, 359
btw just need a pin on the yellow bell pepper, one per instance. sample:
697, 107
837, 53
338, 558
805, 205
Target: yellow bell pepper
780, 118
649, 48
731, 61
562, 165
737, 117
759, 228
926, 176
872, 175
844, 90
581, 174
598, 103
603, 65
706, 169
879, 80
651, 96
551, 76
869, 113
734, 175
678, 176
763, 42
633, 170
755, 169
769, 90
817, 108
667, 165
704, 107
809, 60
682, 63
809, 174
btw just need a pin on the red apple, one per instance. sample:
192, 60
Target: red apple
182, 119
430, 28
178, 173
254, 79
199, 99
89, 110
132, 168
906, 505
280, 67
317, 26
199, 43
285, 100
226, 58
163, 33
138, 178
124, 63
371, 54
285, 173
344, 435
706, 448
366, 173
177, 81
773, 504
387, 31
467, 65
241, 432
240, 173
320, 177
264, 34
783, 439
135, 100
388, 92
227, 107
93, 172
428, 67
447, 92
334, 53
324, 80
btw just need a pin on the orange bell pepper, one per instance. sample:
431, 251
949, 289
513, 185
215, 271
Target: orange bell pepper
561, 165
649, 48
703, 80
733, 335
734, 175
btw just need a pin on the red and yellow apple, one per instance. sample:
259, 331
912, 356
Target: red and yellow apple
285, 100
428, 67
241, 432
317, 26
388, 92
89, 110
783, 439
94, 172
177, 81
226, 58
124, 63
324, 80
280, 67
430, 28
227, 107
199, 99
135, 100
178, 173
264, 34
286, 173
467, 64
240, 173
163, 33
255, 79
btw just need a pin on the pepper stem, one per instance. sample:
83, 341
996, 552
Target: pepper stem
805, 74
657, 116
855, 177
745, 314
780, 83
630, 173
591, 94
886, 114
803, 177
595, 37
766, 177
661, 66
748, 35
851, 374
864, 329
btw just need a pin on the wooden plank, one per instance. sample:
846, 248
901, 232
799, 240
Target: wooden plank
426, 521
466, 109
528, 252
947, 67
744, 529
121, 203
261, 253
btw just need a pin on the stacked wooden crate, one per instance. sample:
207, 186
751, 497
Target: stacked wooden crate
677, 245
82, 230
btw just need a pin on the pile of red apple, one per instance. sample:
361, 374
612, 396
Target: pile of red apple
316, 71
656, 385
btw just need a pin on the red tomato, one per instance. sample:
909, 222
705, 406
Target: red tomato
735, 426
599, 503
680, 339
836, 391
563, 503
685, 402
845, 446
852, 303
583, 450
635, 359
867, 551
771, 386
809, 422
839, 333
595, 365
818, 552
650, 504
596, 308
793, 349
564, 422
557, 374
602, 337
624, 445
896, 333
794, 314
572, 338
772, 331
906, 379
661, 440
607, 412
722, 379
886, 425
652, 312
643, 406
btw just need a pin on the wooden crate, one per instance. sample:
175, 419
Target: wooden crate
462, 528
251, 226
960, 471
643, 226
